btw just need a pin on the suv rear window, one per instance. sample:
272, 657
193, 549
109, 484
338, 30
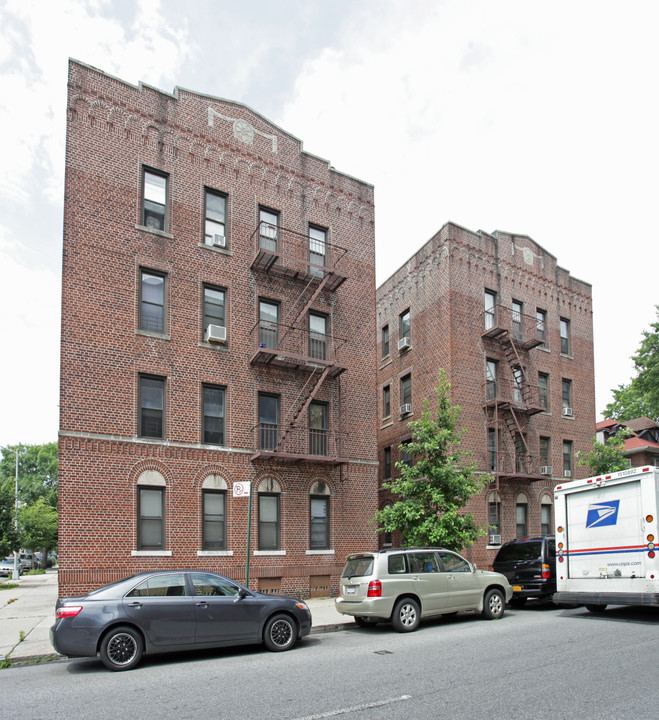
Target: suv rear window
358, 567
520, 551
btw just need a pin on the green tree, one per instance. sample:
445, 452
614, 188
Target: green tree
641, 396
38, 471
8, 535
433, 491
37, 525
606, 457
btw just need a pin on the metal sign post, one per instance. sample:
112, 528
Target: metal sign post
244, 489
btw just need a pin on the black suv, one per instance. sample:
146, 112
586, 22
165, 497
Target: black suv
530, 566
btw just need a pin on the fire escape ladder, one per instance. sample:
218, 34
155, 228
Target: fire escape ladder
515, 428
301, 315
304, 406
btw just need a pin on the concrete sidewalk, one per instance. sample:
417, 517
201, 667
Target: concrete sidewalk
28, 611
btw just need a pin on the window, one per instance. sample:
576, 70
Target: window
546, 524
567, 397
543, 390
385, 341
404, 325
319, 517
205, 585
518, 384
387, 463
317, 250
454, 563
268, 229
214, 307
565, 336
406, 456
522, 513
494, 514
490, 309
152, 301
521, 454
491, 377
567, 458
492, 449
269, 520
214, 519
214, 402
318, 428
545, 452
154, 199
169, 585
215, 209
151, 406
268, 421
406, 390
317, 336
518, 310
151, 514
541, 326
268, 324
386, 401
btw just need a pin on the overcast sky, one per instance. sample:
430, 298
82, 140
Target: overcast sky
532, 117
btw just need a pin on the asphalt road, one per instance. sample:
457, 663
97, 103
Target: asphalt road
540, 662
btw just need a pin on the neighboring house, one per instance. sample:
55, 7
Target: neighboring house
642, 445
218, 327
513, 331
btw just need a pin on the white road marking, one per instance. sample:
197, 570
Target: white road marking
356, 708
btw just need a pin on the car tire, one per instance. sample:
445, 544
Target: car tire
406, 615
517, 602
121, 648
494, 604
280, 633
596, 608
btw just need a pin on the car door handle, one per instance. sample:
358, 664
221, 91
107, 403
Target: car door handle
135, 605
202, 604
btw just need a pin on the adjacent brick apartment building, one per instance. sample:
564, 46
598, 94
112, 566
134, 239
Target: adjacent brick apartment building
514, 333
218, 327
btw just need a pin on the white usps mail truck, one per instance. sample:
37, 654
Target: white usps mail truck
606, 532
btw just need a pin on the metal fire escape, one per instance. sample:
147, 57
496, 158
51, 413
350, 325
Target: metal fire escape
311, 265
510, 402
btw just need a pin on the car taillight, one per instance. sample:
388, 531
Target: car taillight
545, 572
67, 611
375, 589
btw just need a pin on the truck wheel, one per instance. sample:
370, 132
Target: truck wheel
406, 616
596, 608
494, 604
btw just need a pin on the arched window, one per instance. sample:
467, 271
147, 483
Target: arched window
213, 513
319, 517
269, 511
546, 519
522, 510
151, 488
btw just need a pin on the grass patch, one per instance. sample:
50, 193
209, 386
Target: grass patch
36, 571
8, 586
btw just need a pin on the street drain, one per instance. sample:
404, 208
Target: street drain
383, 652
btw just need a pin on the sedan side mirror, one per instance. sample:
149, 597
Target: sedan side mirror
242, 594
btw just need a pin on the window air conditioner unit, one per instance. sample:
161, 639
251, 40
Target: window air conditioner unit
406, 409
404, 344
216, 333
219, 241
567, 412
567, 473
495, 539
546, 470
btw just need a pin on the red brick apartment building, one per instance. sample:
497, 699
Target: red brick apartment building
218, 327
514, 333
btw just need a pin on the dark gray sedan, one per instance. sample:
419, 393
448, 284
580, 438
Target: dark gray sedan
157, 612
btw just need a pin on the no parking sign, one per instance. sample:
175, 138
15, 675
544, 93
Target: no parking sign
242, 489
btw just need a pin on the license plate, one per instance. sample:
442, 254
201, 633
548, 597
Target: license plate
351, 590
517, 588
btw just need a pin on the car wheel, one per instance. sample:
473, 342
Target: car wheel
596, 608
406, 616
517, 602
280, 633
494, 604
122, 648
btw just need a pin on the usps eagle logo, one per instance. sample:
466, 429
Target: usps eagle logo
604, 513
